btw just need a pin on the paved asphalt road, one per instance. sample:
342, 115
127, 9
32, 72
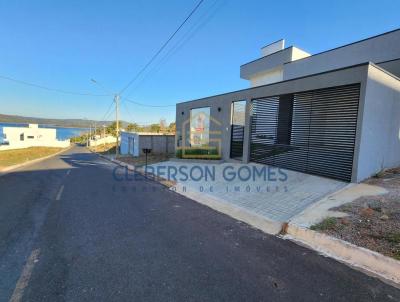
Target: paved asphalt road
70, 232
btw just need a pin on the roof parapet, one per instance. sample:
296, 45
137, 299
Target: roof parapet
272, 47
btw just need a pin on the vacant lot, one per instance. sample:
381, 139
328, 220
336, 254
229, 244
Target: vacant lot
18, 156
104, 148
141, 160
373, 222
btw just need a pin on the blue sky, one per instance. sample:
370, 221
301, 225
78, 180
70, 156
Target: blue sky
63, 44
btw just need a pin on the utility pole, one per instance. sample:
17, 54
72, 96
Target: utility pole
116, 99
104, 138
95, 134
86, 135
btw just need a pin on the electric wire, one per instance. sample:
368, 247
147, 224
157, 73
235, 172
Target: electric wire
200, 23
50, 88
161, 48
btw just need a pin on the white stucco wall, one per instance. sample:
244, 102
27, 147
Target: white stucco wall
298, 53
268, 77
380, 126
33, 136
103, 140
270, 69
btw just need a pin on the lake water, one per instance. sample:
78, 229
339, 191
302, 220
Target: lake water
61, 132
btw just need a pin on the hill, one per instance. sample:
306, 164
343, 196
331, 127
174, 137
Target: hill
73, 123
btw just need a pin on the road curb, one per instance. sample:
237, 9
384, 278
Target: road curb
10, 169
367, 261
262, 223
372, 263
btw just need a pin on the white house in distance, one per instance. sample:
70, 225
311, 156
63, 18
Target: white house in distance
31, 136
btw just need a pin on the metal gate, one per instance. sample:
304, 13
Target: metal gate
237, 136
312, 132
237, 129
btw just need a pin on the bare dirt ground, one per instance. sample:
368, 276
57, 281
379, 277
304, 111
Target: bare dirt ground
104, 148
373, 222
141, 160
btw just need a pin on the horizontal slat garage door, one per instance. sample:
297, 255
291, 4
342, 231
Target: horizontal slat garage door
321, 133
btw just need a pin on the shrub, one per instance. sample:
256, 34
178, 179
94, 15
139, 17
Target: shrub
394, 238
327, 224
201, 153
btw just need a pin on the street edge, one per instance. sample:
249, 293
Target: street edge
268, 226
11, 169
372, 263
369, 262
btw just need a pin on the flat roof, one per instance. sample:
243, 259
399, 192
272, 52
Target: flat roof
346, 45
294, 79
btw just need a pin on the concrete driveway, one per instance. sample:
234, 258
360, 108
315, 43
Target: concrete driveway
276, 194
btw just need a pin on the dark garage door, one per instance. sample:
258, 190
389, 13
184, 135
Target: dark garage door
312, 132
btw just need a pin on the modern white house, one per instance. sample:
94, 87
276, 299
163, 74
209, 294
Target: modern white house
132, 143
31, 136
334, 114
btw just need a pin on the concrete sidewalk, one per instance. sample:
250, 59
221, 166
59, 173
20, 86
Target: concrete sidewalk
277, 199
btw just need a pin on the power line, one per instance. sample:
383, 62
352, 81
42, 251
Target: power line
127, 110
145, 105
162, 47
50, 88
207, 16
107, 112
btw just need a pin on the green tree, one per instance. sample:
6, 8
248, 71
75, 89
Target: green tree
133, 127
155, 128
112, 128
172, 127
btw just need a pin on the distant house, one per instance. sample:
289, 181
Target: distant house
31, 136
334, 114
132, 143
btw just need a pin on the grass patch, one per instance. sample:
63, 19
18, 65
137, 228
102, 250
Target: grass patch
198, 153
19, 156
327, 224
393, 238
396, 255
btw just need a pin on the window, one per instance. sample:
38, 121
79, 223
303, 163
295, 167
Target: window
200, 126
21, 137
238, 113
31, 137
